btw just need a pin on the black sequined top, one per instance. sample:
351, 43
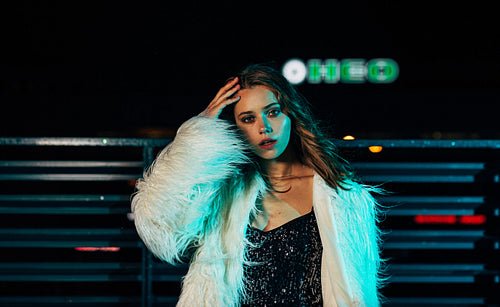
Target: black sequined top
288, 269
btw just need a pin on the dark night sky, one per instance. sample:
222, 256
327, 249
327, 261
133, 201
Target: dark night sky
79, 68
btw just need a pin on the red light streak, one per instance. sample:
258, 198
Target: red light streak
472, 219
97, 249
450, 219
435, 219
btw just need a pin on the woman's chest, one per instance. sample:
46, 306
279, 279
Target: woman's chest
279, 208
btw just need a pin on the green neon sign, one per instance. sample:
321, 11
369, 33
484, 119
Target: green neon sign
352, 71
332, 71
314, 71
382, 70
319, 71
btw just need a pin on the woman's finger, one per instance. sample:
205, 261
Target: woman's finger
226, 95
223, 99
223, 102
229, 101
214, 110
225, 88
231, 92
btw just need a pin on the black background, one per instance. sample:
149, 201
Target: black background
75, 68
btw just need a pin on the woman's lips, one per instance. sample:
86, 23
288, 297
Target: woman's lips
267, 144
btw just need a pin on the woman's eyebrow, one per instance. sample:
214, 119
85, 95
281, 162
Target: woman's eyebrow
246, 112
264, 108
270, 105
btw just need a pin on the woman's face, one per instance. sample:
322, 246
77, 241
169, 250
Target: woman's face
258, 114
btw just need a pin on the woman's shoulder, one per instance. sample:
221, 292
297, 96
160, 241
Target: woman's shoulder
354, 186
352, 194
348, 187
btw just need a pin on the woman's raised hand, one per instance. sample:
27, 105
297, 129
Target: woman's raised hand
223, 98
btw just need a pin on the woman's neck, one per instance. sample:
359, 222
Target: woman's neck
284, 166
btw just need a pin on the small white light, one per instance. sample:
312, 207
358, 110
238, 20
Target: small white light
295, 71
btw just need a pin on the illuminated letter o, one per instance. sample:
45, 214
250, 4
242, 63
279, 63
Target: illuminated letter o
294, 70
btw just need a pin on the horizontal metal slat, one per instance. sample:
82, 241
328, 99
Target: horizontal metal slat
70, 170
432, 239
434, 301
413, 210
436, 233
75, 266
428, 245
62, 210
69, 272
70, 277
67, 177
69, 164
68, 299
419, 166
66, 231
80, 141
422, 144
164, 301
167, 272
418, 172
438, 200
58, 243
51, 238
142, 142
462, 279
440, 267
441, 205
64, 204
418, 178
435, 273
65, 198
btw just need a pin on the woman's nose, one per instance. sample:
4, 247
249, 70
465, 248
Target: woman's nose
265, 127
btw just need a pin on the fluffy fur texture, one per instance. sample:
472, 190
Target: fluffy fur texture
194, 195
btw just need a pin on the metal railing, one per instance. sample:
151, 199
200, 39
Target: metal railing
66, 238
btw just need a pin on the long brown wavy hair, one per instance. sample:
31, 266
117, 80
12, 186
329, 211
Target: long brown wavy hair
311, 145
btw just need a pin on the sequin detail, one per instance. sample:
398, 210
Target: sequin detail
287, 269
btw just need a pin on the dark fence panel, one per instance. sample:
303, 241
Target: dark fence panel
67, 237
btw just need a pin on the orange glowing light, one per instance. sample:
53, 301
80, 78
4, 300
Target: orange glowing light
348, 138
375, 149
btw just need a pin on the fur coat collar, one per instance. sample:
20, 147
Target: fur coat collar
194, 195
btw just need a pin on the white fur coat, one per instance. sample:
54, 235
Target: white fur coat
194, 195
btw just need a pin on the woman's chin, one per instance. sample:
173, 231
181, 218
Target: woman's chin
268, 154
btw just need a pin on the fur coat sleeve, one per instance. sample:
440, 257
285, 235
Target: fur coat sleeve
176, 200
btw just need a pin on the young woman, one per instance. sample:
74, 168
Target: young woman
267, 211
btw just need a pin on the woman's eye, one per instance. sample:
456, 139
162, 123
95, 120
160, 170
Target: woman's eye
274, 112
247, 119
